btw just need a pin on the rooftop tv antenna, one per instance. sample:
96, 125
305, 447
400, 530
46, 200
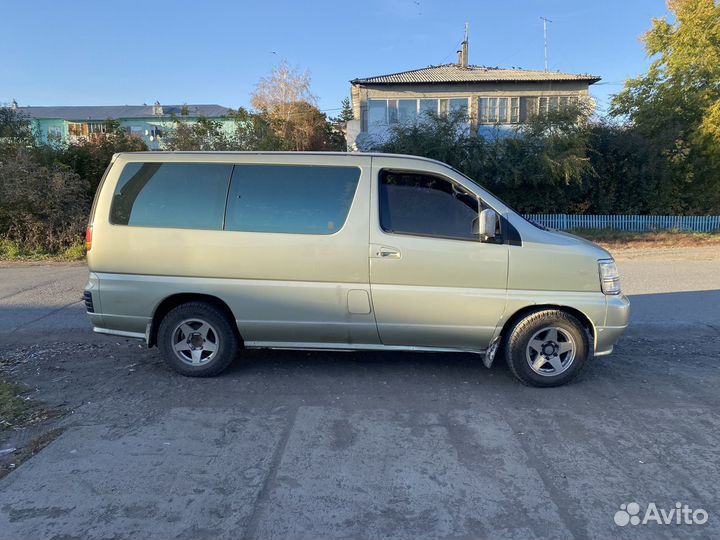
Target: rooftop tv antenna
545, 20
463, 52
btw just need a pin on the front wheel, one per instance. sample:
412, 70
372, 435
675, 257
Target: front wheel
547, 348
197, 339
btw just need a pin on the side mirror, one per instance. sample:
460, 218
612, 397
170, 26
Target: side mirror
485, 224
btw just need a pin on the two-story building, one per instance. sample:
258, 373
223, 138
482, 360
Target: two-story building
149, 122
493, 99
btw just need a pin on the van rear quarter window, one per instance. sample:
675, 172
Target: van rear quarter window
290, 198
171, 195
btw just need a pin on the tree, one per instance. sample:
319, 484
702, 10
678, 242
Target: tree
15, 129
284, 98
254, 131
538, 168
203, 134
346, 111
41, 207
338, 125
276, 94
89, 157
676, 104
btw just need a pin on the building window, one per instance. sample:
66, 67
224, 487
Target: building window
95, 128
514, 110
78, 130
454, 105
392, 111
428, 106
551, 104
135, 131
528, 108
54, 133
377, 112
407, 110
502, 115
383, 112
495, 110
488, 110
85, 129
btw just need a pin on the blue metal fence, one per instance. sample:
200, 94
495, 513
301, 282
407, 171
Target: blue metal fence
627, 223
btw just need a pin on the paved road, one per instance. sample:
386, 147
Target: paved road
326, 445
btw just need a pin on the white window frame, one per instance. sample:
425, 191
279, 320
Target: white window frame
392, 104
55, 132
96, 127
489, 107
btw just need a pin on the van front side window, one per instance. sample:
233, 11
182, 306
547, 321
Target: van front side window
426, 205
171, 195
296, 199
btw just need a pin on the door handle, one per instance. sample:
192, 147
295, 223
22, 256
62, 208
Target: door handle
384, 252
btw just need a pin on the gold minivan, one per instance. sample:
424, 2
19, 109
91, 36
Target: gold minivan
205, 253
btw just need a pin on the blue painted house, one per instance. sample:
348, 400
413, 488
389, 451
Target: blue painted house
149, 122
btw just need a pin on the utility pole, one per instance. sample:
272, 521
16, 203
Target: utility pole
545, 20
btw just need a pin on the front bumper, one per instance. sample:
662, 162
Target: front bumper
617, 317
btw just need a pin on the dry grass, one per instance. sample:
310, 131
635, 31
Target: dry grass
611, 239
15, 408
18, 412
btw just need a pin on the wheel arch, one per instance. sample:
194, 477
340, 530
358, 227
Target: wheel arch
174, 300
526, 310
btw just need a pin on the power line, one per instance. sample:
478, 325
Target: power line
451, 53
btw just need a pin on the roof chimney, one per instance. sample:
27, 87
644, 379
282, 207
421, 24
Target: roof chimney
13, 105
157, 109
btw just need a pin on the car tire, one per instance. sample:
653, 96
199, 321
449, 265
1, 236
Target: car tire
198, 339
548, 347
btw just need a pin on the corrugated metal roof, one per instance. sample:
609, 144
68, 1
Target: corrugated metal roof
453, 73
121, 111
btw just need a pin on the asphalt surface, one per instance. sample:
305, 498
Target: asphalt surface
365, 445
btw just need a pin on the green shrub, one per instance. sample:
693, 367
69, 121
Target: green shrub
9, 249
75, 252
43, 209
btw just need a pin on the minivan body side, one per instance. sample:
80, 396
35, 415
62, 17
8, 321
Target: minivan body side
282, 288
356, 285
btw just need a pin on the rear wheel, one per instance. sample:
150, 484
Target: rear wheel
198, 339
547, 348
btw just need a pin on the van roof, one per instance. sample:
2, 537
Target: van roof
255, 153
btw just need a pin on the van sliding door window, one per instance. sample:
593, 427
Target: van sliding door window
171, 195
426, 205
290, 198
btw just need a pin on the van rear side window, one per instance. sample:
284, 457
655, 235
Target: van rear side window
171, 195
290, 198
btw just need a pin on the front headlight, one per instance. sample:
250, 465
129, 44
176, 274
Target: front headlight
609, 277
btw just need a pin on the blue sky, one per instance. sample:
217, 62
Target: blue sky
132, 52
